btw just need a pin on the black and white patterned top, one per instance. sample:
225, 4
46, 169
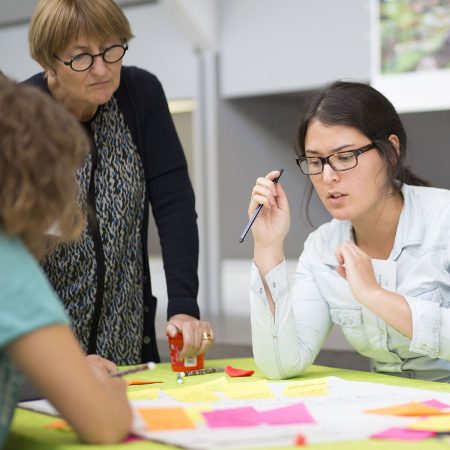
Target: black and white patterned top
119, 201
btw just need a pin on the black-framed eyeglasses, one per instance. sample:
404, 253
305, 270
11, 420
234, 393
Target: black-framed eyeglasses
83, 61
340, 161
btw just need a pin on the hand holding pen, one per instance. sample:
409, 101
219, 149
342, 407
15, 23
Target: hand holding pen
141, 368
268, 211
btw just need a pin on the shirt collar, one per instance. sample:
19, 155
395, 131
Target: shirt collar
410, 229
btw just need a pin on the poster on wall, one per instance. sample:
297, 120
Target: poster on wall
411, 53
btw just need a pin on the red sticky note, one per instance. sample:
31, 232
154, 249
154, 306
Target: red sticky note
235, 372
300, 440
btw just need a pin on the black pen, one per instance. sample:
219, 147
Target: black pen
257, 210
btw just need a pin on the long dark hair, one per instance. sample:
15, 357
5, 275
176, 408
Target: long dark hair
362, 107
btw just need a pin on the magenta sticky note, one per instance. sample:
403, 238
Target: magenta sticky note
404, 434
436, 404
287, 415
235, 417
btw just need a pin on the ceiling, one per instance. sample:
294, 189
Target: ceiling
13, 12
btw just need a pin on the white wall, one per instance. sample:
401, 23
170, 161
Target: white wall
272, 46
15, 61
160, 46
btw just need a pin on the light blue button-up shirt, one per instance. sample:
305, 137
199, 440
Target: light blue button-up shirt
319, 297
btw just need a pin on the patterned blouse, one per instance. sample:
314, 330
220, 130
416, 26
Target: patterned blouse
119, 208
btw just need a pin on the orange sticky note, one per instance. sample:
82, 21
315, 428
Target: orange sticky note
408, 409
139, 382
158, 419
59, 424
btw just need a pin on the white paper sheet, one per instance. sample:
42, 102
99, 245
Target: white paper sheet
339, 416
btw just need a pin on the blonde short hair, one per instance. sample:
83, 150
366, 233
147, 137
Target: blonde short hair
55, 24
41, 147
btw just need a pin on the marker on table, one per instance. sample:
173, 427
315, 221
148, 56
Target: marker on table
147, 366
255, 214
181, 375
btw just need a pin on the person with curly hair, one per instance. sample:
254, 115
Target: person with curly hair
41, 147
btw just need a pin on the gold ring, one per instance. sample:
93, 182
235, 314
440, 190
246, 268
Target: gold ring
206, 336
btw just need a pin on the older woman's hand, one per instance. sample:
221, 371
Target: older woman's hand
198, 335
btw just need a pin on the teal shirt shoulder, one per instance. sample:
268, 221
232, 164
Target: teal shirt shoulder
27, 303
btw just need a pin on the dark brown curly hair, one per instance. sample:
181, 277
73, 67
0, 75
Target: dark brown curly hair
41, 147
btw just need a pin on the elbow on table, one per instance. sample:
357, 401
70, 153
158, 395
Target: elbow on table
108, 435
274, 371
279, 367
110, 430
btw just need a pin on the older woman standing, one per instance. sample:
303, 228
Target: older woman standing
135, 159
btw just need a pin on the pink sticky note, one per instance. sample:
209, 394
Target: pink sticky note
291, 414
436, 404
236, 417
404, 434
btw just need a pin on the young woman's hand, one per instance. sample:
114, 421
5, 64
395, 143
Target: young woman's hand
272, 224
356, 267
85, 394
103, 364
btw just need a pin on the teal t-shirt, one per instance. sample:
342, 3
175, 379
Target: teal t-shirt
27, 303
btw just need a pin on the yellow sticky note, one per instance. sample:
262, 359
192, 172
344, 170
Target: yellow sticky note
408, 409
196, 415
249, 390
194, 393
143, 394
307, 388
158, 419
439, 424
214, 385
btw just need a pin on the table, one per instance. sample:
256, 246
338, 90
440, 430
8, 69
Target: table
27, 430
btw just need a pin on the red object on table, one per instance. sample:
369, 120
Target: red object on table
182, 364
235, 372
300, 440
